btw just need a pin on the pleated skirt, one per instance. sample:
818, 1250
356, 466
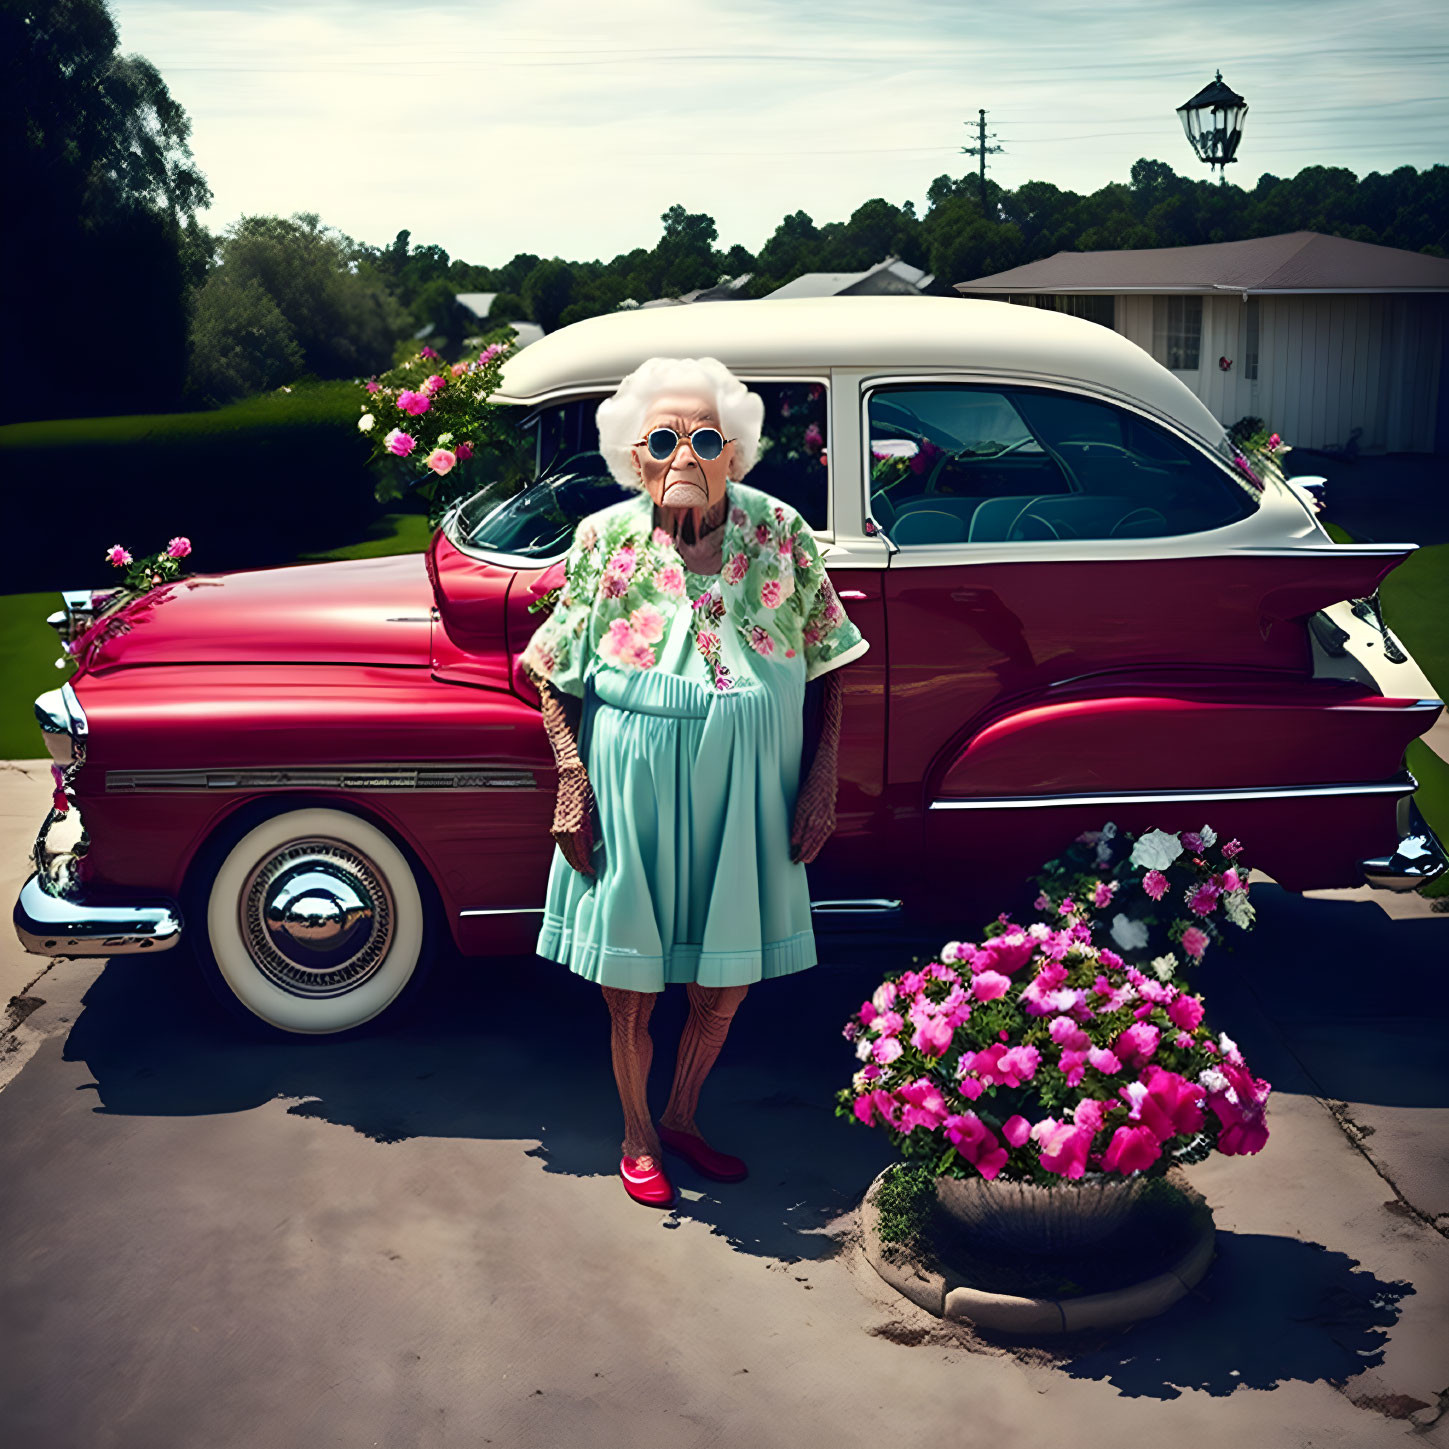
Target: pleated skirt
693, 880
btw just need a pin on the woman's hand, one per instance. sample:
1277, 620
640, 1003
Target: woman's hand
573, 826
814, 815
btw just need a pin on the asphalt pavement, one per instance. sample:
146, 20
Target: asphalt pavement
417, 1238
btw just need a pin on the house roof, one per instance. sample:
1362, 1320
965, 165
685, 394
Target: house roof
831, 284
478, 303
1296, 261
805, 336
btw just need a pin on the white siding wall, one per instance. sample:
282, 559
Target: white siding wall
1326, 365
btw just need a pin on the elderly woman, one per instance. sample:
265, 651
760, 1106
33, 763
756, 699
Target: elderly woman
673, 675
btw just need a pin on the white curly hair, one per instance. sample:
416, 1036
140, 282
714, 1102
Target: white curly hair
621, 417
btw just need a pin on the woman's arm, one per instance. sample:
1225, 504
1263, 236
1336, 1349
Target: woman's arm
573, 807
815, 806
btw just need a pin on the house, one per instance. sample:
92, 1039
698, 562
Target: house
892, 277
727, 289
1333, 343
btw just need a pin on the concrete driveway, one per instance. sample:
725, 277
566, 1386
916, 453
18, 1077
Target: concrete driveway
417, 1238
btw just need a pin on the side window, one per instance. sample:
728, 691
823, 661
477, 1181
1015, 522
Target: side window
955, 463
952, 463
792, 463
1129, 477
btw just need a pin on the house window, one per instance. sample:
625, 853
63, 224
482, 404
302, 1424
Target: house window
1177, 332
1250, 346
1093, 307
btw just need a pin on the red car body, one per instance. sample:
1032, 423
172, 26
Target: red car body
1007, 703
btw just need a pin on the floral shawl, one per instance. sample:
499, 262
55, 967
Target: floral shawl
623, 578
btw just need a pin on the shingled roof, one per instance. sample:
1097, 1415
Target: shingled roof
1296, 261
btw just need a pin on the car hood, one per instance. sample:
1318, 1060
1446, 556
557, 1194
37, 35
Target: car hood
355, 611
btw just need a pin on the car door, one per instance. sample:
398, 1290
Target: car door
1084, 606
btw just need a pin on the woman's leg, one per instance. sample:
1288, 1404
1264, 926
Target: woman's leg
711, 1009
633, 1050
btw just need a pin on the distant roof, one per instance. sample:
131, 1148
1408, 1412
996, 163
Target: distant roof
808, 335
478, 303
1296, 261
832, 284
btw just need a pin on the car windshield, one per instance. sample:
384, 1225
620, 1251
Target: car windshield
536, 491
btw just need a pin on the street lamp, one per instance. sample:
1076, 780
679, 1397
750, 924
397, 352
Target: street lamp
1213, 120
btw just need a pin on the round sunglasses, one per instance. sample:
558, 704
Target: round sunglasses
707, 443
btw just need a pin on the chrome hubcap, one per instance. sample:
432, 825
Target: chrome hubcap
317, 917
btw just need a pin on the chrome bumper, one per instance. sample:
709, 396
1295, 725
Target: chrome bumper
1419, 858
51, 925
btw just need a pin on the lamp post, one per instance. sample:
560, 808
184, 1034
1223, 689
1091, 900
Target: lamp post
1213, 120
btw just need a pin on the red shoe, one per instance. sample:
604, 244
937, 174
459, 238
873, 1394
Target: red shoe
702, 1157
653, 1189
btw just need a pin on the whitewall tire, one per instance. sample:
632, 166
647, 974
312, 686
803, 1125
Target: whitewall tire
314, 922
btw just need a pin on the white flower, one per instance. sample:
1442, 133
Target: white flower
1157, 850
1230, 1050
1130, 935
1038, 930
1209, 835
1136, 1095
1108, 830
862, 1049
365, 423
1213, 1080
444, 439
1164, 966
1238, 909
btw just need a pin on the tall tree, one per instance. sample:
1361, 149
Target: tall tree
101, 231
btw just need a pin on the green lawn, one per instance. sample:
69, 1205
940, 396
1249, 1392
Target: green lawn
29, 647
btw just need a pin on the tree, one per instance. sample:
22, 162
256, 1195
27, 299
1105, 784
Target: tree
685, 257
341, 323
547, 290
100, 191
241, 343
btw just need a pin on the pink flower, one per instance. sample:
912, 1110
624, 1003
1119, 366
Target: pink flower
1005, 953
760, 640
413, 403
864, 1108
1185, 1012
117, 556
374, 386
427, 352
399, 443
1232, 848
1073, 1064
1137, 1043
884, 996
1062, 1146
988, 985
458, 369
814, 438
178, 548
1132, 1149
932, 1036
762, 533
1103, 892
1042, 902
1195, 942
1204, 898
771, 594
736, 569
623, 561
925, 1106
1170, 1106
1066, 1033
433, 384
1155, 884
1275, 442
1103, 1060
1016, 1130
1089, 1113
976, 1142
887, 1049
441, 460
670, 580
1242, 1110
464, 450
1191, 841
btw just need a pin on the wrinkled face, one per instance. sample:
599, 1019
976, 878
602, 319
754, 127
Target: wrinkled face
685, 480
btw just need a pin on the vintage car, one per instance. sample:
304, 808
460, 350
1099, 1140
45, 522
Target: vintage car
1080, 609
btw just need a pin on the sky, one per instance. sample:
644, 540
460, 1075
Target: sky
566, 128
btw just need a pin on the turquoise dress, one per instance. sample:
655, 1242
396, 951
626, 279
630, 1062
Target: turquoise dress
694, 759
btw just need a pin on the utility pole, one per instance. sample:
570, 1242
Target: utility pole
981, 149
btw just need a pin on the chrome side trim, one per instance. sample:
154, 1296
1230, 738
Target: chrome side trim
503, 911
1401, 784
50, 925
306, 777
870, 906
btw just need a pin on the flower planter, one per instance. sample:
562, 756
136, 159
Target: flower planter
1028, 1218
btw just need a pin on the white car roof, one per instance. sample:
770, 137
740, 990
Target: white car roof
810, 334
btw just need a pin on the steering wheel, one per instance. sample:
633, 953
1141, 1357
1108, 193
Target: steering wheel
1146, 515
1091, 445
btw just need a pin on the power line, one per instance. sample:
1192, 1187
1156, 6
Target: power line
981, 149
